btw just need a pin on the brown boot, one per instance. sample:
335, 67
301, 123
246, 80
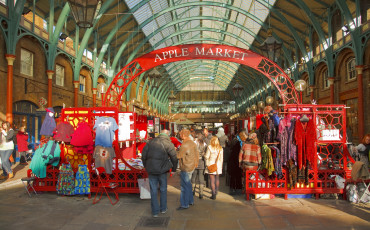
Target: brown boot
2, 177
11, 175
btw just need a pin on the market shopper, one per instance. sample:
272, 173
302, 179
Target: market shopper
207, 135
198, 174
233, 169
22, 142
159, 156
214, 155
364, 150
223, 139
6, 149
188, 156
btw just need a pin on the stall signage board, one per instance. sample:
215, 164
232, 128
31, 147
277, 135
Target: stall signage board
124, 126
330, 135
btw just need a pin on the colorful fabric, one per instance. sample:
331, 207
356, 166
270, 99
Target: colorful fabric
267, 161
43, 156
66, 180
305, 137
250, 156
63, 132
49, 123
82, 136
285, 135
277, 162
82, 182
104, 158
105, 130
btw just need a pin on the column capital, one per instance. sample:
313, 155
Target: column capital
50, 74
76, 84
94, 90
10, 58
359, 69
331, 80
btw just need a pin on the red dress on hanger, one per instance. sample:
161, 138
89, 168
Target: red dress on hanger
305, 137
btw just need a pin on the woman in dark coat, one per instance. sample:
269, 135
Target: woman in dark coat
235, 173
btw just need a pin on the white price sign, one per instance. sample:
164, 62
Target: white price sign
330, 135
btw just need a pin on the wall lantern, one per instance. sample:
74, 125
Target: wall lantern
84, 11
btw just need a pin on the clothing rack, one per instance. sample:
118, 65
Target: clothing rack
273, 143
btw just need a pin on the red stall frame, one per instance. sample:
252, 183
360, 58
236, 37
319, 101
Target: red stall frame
126, 179
332, 157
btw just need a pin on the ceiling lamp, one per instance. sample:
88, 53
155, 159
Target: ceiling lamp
84, 11
248, 110
238, 90
271, 47
269, 100
261, 104
254, 107
172, 98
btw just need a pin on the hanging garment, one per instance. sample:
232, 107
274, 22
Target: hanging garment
63, 132
66, 180
285, 134
267, 161
271, 135
258, 120
105, 130
82, 136
305, 137
82, 182
47, 154
104, 158
250, 156
49, 123
277, 162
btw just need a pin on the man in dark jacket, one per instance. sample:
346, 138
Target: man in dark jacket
233, 169
155, 156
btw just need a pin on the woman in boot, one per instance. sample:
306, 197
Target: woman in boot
198, 175
6, 149
214, 155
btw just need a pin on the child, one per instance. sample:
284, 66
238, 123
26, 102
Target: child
22, 141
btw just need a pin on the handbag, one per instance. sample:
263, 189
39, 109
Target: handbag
213, 167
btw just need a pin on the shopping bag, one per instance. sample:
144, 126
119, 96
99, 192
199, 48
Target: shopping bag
144, 188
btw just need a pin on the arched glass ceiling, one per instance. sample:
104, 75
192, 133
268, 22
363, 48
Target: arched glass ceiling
202, 86
219, 13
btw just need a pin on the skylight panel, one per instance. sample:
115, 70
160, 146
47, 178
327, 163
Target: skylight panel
150, 28
194, 11
132, 3
143, 13
161, 20
233, 16
207, 11
246, 4
156, 5
241, 19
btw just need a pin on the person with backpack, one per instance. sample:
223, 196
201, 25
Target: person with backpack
198, 174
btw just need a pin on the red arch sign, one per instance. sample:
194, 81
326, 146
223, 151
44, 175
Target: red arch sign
162, 56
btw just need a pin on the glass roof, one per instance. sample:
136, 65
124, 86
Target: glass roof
216, 24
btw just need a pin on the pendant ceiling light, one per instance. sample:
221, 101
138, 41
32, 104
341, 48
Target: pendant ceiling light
84, 11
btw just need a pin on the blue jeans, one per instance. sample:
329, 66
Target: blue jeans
6, 165
154, 181
186, 195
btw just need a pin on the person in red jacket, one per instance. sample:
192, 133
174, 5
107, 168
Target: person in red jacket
22, 141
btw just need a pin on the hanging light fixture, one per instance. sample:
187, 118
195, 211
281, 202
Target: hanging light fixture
238, 90
172, 98
271, 47
261, 104
269, 100
84, 11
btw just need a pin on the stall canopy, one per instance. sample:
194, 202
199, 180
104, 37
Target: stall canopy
184, 121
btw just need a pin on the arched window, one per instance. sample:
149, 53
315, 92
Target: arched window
325, 78
24, 107
351, 69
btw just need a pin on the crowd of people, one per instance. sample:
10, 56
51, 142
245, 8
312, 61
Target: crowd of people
193, 152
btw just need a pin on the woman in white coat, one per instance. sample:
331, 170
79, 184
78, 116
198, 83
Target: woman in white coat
214, 153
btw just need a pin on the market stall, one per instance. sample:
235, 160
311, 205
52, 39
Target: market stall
119, 159
308, 150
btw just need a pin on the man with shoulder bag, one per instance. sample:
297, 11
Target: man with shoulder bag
159, 156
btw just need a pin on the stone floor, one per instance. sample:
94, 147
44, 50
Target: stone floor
50, 211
